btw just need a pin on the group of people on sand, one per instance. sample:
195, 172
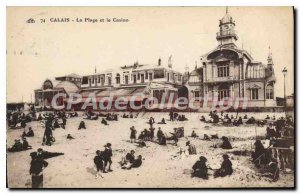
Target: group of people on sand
200, 168
20, 146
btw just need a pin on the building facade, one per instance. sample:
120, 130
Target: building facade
230, 72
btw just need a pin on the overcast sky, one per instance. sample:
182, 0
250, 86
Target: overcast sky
45, 50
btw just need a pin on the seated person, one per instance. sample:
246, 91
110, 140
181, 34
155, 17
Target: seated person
104, 122
82, 125
128, 160
56, 124
226, 167
194, 134
246, 117
191, 148
162, 121
131, 116
30, 133
200, 169
251, 120
268, 117
70, 137
226, 144
141, 144
26, 144
136, 162
18, 146
162, 140
202, 118
206, 137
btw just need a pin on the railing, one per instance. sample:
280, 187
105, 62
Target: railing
226, 33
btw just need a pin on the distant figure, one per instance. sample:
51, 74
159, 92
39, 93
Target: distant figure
226, 144
70, 137
194, 134
162, 121
206, 137
151, 122
259, 155
152, 133
128, 160
202, 118
107, 154
37, 165
171, 114
246, 117
200, 169
99, 163
191, 148
18, 146
132, 134
104, 122
30, 133
81, 125
268, 117
26, 144
162, 140
215, 136
226, 167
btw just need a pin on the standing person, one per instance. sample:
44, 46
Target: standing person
98, 160
107, 154
132, 134
37, 165
48, 133
171, 116
191, 148
152, 133
159, 134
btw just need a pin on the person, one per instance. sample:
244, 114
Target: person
226, 167
162, 121
137, 162
270, 132
81, 125
246, 116
200, 169
18, 146
30, 132
98, 161
26, 144
206, 137
194, 134
37, 165
226, 144
191, 148
104, 122
274, 169
151, 122
128, 160
48, 136
56, 124
251, 120
268, 117
132, 134
162, 140
159, 134
70, 137
152, 133
171, 114
259, 155
141, 143
107, 154
202, 118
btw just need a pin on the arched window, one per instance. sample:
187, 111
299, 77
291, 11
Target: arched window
269, 92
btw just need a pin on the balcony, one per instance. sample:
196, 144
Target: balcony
227, 33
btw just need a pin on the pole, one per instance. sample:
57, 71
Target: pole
284, 92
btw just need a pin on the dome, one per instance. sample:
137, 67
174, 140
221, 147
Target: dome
69, 87
227, 19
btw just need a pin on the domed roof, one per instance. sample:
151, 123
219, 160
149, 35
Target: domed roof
227, 19
69, 87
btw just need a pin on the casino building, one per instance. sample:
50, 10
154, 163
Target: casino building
228, 71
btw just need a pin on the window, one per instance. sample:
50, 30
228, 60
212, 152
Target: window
93, 80
138, 77
118, 78
126, 79
254, 94
223, 70
102, 81
150, 76
146, 75
223, 94
109, 81
134, 79
179, 77
142, 78
269, 92
196, 94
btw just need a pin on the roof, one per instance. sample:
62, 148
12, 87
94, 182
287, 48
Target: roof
227, 19
74, 75
196, 72
68, 86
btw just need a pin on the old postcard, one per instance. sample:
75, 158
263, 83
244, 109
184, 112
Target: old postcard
150, 97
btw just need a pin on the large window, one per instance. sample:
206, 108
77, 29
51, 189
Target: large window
223, 70
118, 78
254, 94
269, 92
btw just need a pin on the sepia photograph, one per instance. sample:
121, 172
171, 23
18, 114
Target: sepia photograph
150, 97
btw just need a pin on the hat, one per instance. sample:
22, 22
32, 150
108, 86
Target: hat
108, 145
132, 151
40, 150
98, 152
